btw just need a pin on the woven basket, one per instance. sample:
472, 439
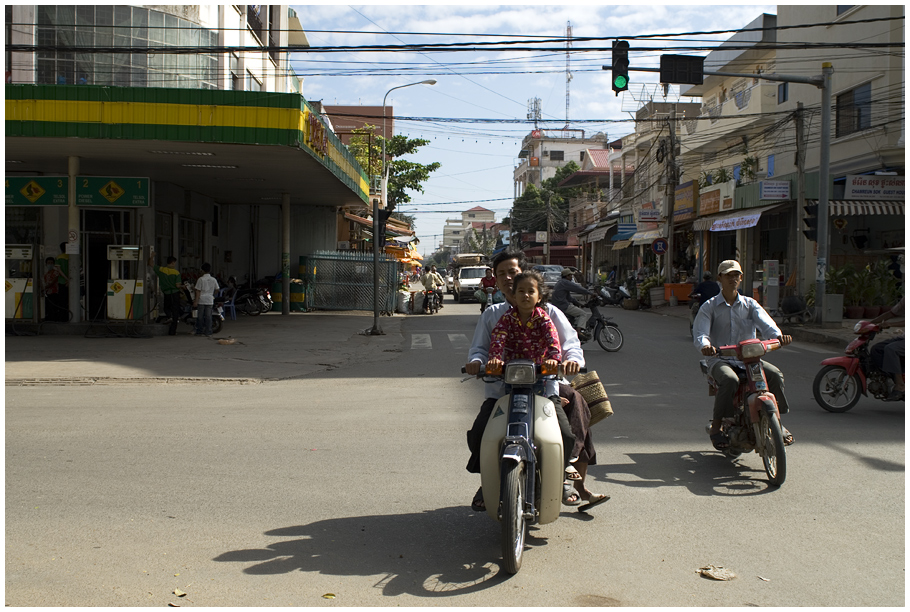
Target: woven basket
590, 388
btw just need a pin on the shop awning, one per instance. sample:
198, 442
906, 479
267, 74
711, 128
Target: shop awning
740, 219
599, 233
623, 236
648, 236
841, 208
618, 246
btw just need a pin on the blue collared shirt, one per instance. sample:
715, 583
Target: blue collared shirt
720, 324
480, 346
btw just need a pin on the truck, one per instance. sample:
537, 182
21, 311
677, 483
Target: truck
468, 269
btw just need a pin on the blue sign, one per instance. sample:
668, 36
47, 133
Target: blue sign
660, 246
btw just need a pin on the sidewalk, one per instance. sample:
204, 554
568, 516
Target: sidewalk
833, 336
266, 347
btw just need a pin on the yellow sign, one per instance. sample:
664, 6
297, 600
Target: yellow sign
8, 286
32, 191
111, 191
117, 287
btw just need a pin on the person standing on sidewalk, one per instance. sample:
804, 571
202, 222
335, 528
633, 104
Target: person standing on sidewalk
170, 283
206, 286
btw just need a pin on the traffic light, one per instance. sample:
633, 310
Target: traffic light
620, 65
811, 222
384, 215
682, 69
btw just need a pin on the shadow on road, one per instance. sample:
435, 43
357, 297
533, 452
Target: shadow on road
435, 553
702, 472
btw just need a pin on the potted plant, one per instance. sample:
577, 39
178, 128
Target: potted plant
887, 292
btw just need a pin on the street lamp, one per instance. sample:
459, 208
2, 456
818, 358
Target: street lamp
377, 331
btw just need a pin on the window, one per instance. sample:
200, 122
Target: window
557, 155
581, 156
854, 110
252, 83
770, 166
843, 8
783, 93
737, 172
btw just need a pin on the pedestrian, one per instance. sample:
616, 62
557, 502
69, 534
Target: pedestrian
63, 260
170, 283
206, 286
54, 309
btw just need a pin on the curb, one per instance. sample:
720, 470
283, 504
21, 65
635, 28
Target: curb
86, 381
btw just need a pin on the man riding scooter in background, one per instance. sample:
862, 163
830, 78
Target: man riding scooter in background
704, 291
562, 299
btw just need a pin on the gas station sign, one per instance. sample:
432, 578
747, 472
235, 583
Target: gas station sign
112, 191
36, 190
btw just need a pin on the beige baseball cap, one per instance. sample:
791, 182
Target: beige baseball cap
729, 265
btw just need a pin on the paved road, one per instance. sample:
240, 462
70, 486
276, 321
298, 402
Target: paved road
349, 480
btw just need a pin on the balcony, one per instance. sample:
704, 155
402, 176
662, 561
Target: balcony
745, 111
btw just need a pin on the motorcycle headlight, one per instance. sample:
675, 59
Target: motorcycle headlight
520, 374
753, 350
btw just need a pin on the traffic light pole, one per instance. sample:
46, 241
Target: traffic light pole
822, 82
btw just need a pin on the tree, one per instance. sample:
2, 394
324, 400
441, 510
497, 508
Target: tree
546, 208
404, 175
484, 242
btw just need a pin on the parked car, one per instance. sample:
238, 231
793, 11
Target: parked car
551, 274
450, 281
467, 282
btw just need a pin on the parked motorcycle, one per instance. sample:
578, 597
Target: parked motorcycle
188, 313
838, 384
694, 305
604, 329
613, 295
756, 421
521, 456
253, 301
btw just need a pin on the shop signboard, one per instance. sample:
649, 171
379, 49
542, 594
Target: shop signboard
684, 206
774, 190
649, 213
872, 187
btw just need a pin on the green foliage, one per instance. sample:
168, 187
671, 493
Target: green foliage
547, 207
484, 242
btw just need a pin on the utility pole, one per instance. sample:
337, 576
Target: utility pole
549, 227
671, 193
800, 193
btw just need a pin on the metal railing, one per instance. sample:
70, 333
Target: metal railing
343, 280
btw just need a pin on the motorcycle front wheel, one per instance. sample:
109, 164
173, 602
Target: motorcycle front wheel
216, 325
263, 305
835, 390
249, 305
609, 338
514, 526
774, 456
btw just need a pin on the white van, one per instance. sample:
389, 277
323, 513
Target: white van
467, 281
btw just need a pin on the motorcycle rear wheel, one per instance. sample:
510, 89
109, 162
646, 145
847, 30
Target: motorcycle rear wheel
775, 455
609, 338
263, 305
514, 526
216, 325
835, 390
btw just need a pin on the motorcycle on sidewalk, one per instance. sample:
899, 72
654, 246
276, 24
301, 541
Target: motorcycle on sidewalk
613, 295
756, 421
188, 313
521, 456
838, 385
604, 329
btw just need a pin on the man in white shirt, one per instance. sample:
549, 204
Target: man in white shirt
205, 287
729, 318
433, 281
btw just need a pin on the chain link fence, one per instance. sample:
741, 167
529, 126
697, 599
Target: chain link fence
343, 280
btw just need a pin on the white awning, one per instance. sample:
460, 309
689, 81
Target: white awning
649, 236
618, 246
841, 208
740, 219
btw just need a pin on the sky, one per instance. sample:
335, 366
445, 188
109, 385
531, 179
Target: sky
475, 117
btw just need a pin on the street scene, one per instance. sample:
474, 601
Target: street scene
253, 474
466, 305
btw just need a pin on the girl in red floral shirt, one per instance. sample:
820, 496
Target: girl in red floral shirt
526, 331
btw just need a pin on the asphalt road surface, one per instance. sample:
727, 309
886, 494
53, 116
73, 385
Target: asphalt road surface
348, 488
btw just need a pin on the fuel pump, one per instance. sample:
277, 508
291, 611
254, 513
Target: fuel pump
126, 285
20, 283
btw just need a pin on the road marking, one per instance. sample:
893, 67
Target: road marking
459, 342
421, 341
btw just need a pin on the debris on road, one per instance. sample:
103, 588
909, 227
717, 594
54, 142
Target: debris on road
716, 572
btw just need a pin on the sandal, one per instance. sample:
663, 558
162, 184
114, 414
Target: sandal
477, 504
788, 437
720, 440
594, 499
570, 496
572, 473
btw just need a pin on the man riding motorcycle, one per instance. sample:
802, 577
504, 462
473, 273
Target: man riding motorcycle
432, 280
562, 299
729, 318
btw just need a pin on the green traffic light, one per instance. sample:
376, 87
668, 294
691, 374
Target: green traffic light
620, 81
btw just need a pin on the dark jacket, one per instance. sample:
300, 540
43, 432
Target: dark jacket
561, 294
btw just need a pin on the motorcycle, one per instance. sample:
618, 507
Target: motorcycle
756, 422
838, 384
521, 456
613, 295
431, 299
694, 305
604, 329
487, 296
188, 313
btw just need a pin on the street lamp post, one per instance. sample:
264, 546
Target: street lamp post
377, 331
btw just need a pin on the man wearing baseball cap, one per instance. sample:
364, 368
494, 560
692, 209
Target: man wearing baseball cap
729, 318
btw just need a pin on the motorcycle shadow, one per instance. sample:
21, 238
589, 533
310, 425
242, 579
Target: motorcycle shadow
704, 473
435, 553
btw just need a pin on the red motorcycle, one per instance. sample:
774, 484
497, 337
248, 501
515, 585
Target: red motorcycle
838, 384
755, 425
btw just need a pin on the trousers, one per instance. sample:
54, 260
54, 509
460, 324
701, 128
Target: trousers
728, 382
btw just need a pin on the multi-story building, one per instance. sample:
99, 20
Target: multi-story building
544, 151
456, 230
740, 157
210, 156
